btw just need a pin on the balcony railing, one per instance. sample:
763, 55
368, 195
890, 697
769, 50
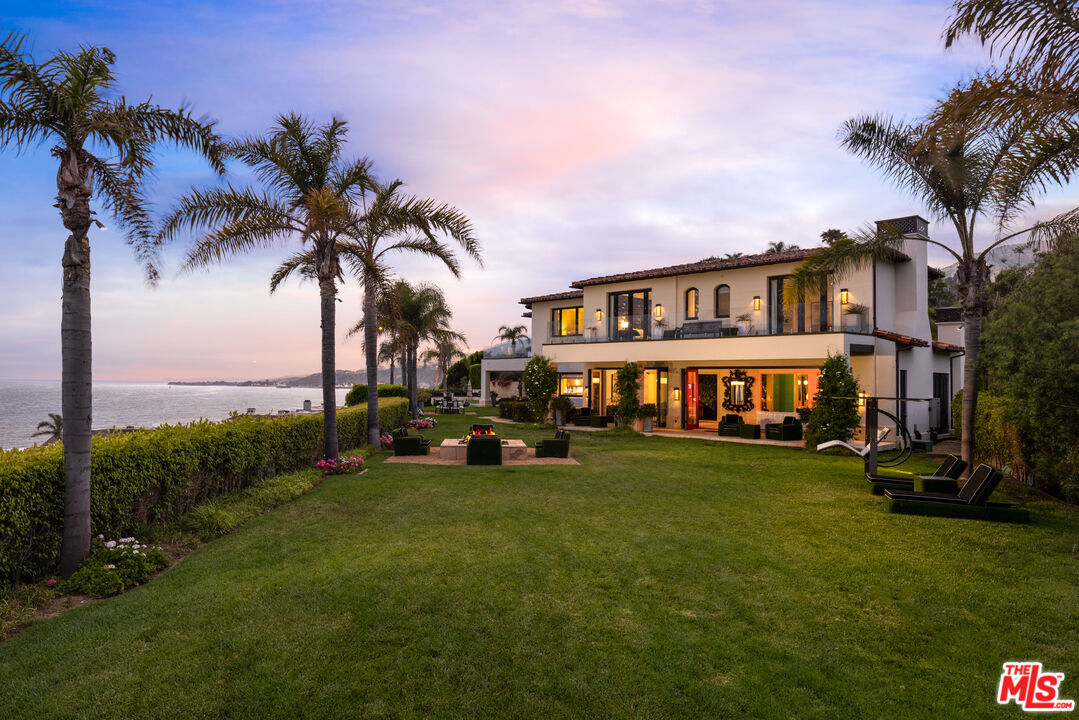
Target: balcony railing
506, 352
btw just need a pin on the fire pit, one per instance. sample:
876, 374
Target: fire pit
481, 429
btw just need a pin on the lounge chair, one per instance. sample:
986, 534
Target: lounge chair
484, 450
881, 435
970, 502
583, 418
789, 429
558, 446
405, 444
730, 425
944, 479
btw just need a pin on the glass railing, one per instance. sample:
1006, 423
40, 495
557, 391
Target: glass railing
508, 351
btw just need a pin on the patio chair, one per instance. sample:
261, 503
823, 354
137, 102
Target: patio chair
558, 446
484, 450
789, 429
405, 444
943, 479
729, 425
583, 418
598, 421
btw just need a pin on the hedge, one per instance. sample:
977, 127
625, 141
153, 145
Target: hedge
152, 476
475, 375
358, 394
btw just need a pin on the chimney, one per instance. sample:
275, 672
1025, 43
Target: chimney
912, 224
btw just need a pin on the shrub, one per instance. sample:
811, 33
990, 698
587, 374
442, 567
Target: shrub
957, 414
628, 386
648, 410
113, 566
475, 375
832, 418
523, 412
341, 466
152, 476
358, 394
540, 382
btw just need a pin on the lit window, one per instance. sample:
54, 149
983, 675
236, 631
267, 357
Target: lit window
693, 299
566, 321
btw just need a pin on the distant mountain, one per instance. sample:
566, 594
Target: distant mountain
1001, 257
425, 375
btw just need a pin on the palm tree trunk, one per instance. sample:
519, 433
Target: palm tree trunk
391, 369
77, 368
445, 379
328, 294
370, 348
413, 393
973, 283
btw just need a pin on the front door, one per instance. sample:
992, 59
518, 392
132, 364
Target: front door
692, 390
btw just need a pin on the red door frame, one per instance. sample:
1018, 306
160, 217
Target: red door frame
692, 390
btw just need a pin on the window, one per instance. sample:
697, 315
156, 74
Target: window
693, 301
723, 301
784, 392
814, 315
566, 321
628, 315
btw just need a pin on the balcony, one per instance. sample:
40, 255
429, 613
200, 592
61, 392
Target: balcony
509, 351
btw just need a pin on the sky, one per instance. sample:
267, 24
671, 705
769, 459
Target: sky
581, 137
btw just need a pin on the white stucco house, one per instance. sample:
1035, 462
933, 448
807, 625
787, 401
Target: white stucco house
714, 337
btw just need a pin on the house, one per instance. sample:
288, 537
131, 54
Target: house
715, 337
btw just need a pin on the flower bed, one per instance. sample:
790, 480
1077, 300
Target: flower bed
341, 466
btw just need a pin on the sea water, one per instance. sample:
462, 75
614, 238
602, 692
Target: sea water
25, 403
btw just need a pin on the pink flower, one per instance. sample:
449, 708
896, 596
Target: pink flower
52, 581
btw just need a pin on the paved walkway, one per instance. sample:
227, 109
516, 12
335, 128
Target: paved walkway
705, 435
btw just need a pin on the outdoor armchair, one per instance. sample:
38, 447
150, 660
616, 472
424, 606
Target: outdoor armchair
729, 426
558, 446
411, 445
484, 450
789, 429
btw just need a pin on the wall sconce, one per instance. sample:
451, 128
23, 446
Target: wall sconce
599, 314
757, 303
678, 394
659, 311
844, 296
595, 379
861, 400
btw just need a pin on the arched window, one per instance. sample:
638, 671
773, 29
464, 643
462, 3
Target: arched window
693, 301
723, 301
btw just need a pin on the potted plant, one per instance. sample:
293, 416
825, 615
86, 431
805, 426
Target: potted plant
746, 319
563, 407
856, 312
647, 413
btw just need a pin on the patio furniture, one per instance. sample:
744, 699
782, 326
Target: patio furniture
484, 450
749, 431
558, 446
970, 502
405, 444
482, 429
599, 421
729, 425
584, 417
789, 429
944, 479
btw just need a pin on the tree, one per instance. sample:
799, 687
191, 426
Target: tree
540, 380
69, 100
309, 194
963, 169
459, 371
446, 349
778, 246
389, 223
513, 335
1042, 386
627, 386
52, 429
423, 315
834, 415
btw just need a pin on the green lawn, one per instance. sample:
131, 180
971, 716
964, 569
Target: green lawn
663, 577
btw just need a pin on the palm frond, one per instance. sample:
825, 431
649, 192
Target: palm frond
839, 259
207, 208
1032, 32
235, 238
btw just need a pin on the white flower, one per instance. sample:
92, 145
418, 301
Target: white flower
100, 537
136, 552
110, 543
111, 567
127, 540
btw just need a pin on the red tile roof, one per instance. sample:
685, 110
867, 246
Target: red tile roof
901, 339
571, 295
947, 347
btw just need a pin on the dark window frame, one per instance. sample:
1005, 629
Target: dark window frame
556, 321
696, 305
715, 300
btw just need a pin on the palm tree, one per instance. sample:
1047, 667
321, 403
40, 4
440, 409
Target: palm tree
423, 315
68, 100
731, 256
963, 170
388, 352
778, 246
389, 222
309, 198
512, 335
52, 429
445, 351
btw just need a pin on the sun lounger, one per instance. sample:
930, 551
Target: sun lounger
970, 502
882, 434
943, 479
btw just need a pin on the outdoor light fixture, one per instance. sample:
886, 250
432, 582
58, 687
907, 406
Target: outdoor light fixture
677, 394
100, 224
844, 296
599, 314
757, 302
659, 311
595, 379
861, 400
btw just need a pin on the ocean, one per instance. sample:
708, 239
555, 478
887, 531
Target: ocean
25, 403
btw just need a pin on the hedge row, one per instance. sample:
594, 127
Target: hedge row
515, 410
152, 476
358, 394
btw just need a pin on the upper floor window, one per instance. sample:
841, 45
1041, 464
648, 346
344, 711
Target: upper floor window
723, 301
693, 301
566, 321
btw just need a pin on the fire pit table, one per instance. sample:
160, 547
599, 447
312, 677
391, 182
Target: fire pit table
456, 450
